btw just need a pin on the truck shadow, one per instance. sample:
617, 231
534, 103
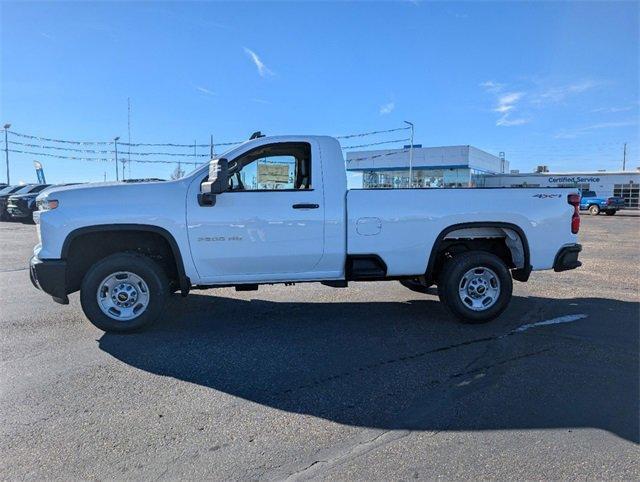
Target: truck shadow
405, 365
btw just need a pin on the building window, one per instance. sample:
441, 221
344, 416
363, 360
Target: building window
421, 178
629, 192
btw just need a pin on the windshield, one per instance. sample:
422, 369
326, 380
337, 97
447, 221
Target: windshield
9, 190
24, 189
38, 188
227, 154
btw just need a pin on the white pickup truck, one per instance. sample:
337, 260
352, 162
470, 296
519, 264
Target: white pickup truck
277, 210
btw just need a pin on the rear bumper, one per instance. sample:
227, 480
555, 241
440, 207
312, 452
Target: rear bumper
50, 276
567, 258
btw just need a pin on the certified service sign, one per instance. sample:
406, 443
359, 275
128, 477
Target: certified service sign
572, 179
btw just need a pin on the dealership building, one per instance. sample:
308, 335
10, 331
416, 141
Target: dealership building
450, 166
468, 166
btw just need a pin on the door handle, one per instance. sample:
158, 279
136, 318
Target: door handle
305, 206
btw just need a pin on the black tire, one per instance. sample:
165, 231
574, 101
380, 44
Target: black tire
146, 269
415, 285
610, 213
452, 275
594, 210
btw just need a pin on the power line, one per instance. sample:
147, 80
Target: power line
93, 151
377, 143
172, 144
378, 155
132, 144
103, 159
371, 133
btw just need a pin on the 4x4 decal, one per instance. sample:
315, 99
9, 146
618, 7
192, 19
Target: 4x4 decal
547, 196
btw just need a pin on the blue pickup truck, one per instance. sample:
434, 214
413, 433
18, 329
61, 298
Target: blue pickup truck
590, 201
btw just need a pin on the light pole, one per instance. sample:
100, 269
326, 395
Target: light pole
115, 143
6, 150
410, 155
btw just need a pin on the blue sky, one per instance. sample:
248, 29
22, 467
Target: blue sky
547, 83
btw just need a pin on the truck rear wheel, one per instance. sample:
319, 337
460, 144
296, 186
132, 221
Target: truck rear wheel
124, 292
594, 210
475, 286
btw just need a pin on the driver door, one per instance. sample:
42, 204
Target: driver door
269, 224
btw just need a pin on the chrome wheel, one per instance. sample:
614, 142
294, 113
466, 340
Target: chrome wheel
123, 296
479, 288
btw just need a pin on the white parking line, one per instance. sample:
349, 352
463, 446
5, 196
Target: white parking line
12, 270
554, 321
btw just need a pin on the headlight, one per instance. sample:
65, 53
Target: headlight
47, 204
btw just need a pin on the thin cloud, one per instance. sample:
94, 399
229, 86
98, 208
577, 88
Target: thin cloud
261, 101
506, 121
387, 108
263, 70
491, 86
47, 36
204, 90
611, 110
573, 133
507, 102
560, 93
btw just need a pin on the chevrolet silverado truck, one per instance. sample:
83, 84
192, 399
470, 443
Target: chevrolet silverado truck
591, 202
277, 210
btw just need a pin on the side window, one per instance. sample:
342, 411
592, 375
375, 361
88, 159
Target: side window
273, 167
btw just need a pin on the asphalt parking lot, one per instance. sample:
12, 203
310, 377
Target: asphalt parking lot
370, 382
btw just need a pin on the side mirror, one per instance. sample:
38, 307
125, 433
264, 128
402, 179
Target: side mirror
217, 183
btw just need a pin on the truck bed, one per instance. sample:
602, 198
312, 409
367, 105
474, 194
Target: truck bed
402, 225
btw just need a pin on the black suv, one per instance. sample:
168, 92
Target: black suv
5, 192
22, 203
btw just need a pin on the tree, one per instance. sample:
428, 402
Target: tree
177, 173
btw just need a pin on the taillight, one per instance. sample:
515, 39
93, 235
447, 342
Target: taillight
574, 200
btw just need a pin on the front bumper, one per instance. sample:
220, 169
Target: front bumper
50, 276
567, 258
18, 211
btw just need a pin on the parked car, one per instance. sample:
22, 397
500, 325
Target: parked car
22, 206
590, 201
4, 197
277, 210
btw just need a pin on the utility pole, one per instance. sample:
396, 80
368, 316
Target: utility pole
212, 151
410, 155
624, 157
129, 133
6, 150
115, 143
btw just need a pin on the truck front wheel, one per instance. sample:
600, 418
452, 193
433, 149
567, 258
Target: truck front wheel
594, 210
475, 286
124, 292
